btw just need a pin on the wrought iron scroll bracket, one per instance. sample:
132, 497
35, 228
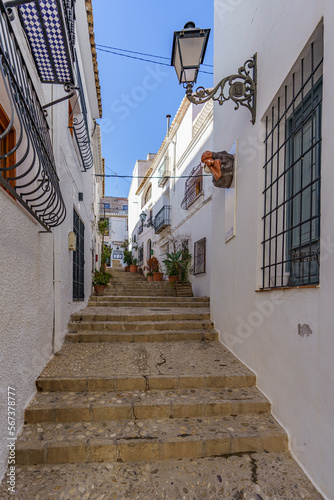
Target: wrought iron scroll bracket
70, 89
239, 88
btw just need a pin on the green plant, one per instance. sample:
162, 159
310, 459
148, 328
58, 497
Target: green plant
173, 263
106, 253
134, 261
153, 265
103, 226
101, 278
127, 258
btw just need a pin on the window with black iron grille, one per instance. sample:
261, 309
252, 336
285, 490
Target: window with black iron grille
291, 221
78, 259
199, 257
193, 187
141, 255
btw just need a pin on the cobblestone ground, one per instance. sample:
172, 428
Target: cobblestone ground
260, 476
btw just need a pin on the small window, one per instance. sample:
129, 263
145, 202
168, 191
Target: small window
125, 208
200, 257
147, 196
193, 187
7, 144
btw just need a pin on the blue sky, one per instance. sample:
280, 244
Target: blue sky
137, 95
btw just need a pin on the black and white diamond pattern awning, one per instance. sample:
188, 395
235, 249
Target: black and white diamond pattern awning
44, 24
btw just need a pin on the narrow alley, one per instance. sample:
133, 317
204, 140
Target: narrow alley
143, 402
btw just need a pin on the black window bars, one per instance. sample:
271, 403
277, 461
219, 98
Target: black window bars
31, 177
291, 221
193, 187
162, 219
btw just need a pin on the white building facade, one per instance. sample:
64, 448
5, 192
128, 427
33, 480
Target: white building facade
176, 196
47, 190
115, 209
272, 282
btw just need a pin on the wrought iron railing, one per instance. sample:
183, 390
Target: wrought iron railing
80, 127
27, 166
162, 219
193, 187
164, 172
141, 228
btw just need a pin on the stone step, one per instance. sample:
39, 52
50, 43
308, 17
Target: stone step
138, 293
115, 302
167, 300
118, 366
142, 314
141, 326
248, 475
132, 336
95, 406
160, 439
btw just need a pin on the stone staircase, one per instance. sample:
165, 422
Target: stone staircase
143, 379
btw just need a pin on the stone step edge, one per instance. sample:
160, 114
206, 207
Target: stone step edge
139, 318
97, 298
94, 412
117, 303
144, 382
172, 324
126, 450
153, 336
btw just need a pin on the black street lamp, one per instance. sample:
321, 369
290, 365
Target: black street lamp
189, 46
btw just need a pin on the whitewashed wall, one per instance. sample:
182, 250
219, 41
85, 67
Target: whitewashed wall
262, 328
36, 271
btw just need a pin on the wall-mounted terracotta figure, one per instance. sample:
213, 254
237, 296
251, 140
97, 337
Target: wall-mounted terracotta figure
221, 166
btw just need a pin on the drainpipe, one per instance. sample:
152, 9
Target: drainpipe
56, 288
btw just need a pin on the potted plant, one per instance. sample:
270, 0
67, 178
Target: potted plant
100, 280
133, 266
127, 259
183, 288
173, 265
153, 267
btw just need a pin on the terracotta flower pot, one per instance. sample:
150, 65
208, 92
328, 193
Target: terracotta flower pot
127, 269
172, 279
150, 277
157, 276
99, 289
133, 268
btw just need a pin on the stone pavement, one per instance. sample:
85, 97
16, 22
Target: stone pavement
142, 401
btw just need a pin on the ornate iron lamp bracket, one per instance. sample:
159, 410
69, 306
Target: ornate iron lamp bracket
239, 88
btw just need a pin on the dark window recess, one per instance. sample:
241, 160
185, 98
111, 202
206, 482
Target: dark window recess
193, 187
78, 259
291, 221
141, 255
199, 266
141, 228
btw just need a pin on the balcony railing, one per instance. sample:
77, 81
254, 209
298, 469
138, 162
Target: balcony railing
162, 219
27, 165
80, 127
193, 187
140, 228
164, 172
